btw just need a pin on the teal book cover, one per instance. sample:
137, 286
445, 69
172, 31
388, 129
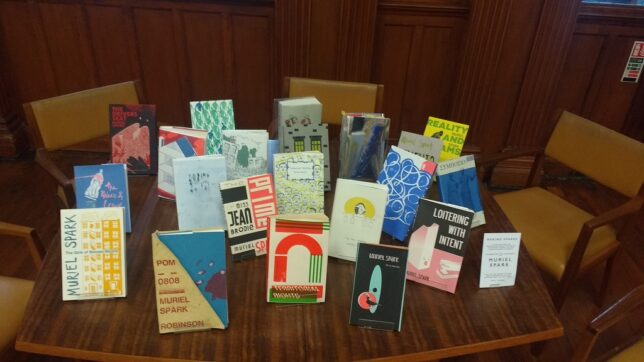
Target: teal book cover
214, 117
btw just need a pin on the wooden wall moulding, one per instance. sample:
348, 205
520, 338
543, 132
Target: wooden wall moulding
426, 7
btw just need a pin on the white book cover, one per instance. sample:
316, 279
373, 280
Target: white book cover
246, 152
197, 181
292, 111
426, 147
93, 253
499, 259
358, 214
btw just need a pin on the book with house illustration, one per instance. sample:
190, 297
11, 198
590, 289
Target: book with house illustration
214, 117
133, 135
438, 243
363, 139
103, 186
428, 148
458, 184
378, 287
248, 202
246, 152
176, 142
199, 203
296, 111
190, 280
299, 182
451, 133
92, 249
358, 214
297, 258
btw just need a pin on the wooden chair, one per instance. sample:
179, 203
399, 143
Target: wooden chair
14, 292
564, 240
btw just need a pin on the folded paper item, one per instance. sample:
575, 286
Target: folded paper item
448, 269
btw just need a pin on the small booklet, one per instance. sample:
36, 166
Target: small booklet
214, 117
246, 152
177, 142
133, 132
499, 259
299, 182
426, 147
451, 133
458, 184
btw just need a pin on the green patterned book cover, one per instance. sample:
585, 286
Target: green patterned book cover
214, 117
299, 182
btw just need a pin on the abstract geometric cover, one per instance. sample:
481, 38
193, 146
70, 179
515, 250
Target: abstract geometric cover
363, 138
459, 185
214, 117
246, 152
426, 147
452, 133
190, 280
299, 182
133, 132
176, 142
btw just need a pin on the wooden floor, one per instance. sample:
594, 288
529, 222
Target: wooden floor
27, 198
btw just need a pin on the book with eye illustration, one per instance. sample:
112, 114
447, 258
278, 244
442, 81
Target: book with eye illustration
458, 185
133, 135
438, 243
426, 147
363, 139
213, 117
299, 182
176, 142
295, 111
246, 152
451, 133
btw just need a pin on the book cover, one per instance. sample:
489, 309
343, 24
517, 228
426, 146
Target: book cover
363, 139
296, 111
176, 142
190, 280
248, 203
378, 287
197, 181
438, 243
214, 117
358, 214
133, 134
499, 259
246, 152
458, 184
451, 133
273, 148
92, 252
299, 182
426, 147
297, 258
408, 178
103, 186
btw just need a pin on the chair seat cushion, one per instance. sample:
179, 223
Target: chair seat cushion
14, 294
633, 353
549, 227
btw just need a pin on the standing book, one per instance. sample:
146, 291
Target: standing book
438, 244
451, 133
93, 253
133, 134
190, 280
246, 152
103, 186
426, 147
297, 258
358, 214
299, 182
458, 184
291, 112
378, 287
214, 117
176, 142
363, 138
248, 203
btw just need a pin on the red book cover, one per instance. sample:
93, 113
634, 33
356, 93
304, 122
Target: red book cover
176, 142
133, 134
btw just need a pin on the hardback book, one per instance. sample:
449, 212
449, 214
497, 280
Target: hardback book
426, 147
133, 134
273, 148
437, 244
197, 181
103, 186
176, 142
408, 177
363, 139
378, 287
458, 184
299, 182
358, 213
297, 258
246, 152
451, 133
92, 249
190, 280
296, 111
214, 117
248, 203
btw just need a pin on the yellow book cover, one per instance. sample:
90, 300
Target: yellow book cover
452, 133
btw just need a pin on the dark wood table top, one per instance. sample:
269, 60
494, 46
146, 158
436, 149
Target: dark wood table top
435, 324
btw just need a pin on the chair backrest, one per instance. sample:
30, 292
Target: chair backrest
336, 96
76, 117
600, 153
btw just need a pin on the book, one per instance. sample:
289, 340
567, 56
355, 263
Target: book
246, 152
408, 178
92, 252
499, 259
273, 148
426, 147
378, 287
296, 111
214, 117
103, 186
363, 138
176, 142
299, 182
197, 181
358, 214
248, 203
297, 258
190, 280
458, 184
133, 135
451, 133
438, 243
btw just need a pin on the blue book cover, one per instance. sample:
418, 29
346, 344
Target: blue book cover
103, 186
458, 185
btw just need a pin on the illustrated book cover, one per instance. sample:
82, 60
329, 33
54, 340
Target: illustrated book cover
190, 280
133, 135
297, 258
378, 287
92, 249
296, 111
248, 202
299, 182
176, 142
214, 117
438, 243
363, 139
458, 184
451, 133
426, 147
246, 152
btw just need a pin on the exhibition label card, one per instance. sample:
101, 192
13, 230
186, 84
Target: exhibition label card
499, 259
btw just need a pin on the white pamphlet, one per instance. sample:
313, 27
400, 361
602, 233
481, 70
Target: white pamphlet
499, 259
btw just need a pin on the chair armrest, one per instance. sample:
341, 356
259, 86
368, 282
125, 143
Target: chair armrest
44, 160
618, 311
628, 208
485, 163
29, 235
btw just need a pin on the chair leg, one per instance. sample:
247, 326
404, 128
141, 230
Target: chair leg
601, 296
537, 348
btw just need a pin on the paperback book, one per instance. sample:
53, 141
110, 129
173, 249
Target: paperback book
299, 182
458, 184
214, 117
246, 152
426, 147
273, 148
451, 133
290, 112
176, 142
133, 134
363, 138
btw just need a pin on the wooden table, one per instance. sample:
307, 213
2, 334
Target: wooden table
435, 324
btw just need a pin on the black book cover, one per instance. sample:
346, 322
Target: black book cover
133, 136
